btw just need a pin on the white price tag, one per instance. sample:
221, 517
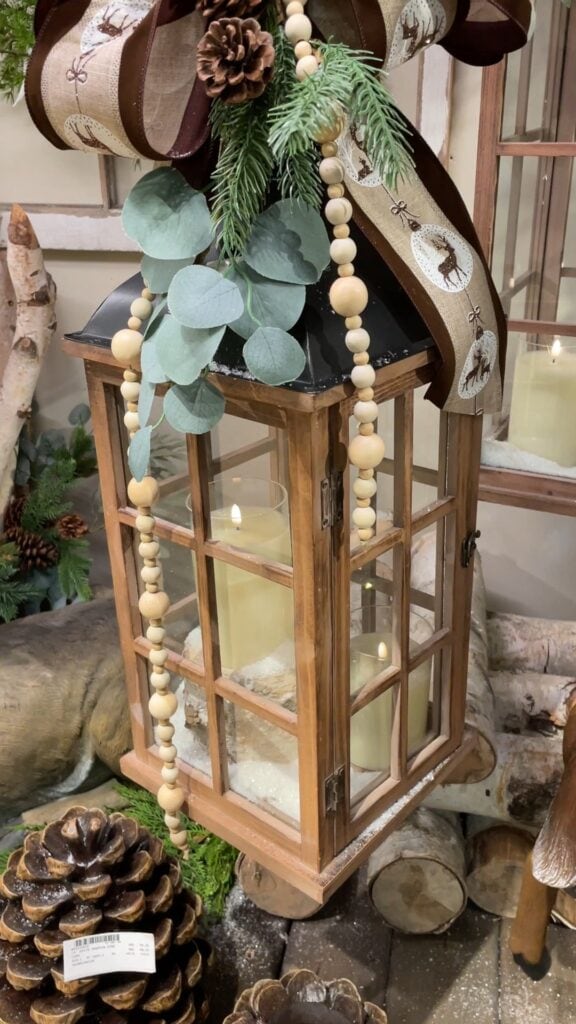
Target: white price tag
108, 952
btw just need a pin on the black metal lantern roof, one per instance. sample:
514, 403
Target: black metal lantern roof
396, 329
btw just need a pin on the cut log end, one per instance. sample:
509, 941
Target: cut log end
496, 859
273, 894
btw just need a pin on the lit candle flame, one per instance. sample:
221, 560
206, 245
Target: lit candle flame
236, 516
382, 651
556, 348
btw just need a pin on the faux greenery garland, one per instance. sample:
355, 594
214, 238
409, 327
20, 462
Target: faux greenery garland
16, 41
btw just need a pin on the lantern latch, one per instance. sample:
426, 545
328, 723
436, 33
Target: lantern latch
332, 500
334, 789
469, 547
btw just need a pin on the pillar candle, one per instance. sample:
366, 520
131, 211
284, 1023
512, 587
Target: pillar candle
543, 410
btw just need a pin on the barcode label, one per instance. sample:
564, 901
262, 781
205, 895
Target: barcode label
91, 955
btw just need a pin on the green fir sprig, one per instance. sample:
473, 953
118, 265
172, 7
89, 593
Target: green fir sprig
14, 592
16, 41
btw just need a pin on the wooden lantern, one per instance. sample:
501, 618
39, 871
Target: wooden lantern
321, 688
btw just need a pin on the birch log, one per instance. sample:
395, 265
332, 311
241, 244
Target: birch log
7, 312
479, 699
520, 644
416, 878
34, 326
495, 855
531, 701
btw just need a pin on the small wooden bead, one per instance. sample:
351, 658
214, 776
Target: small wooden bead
366, 534
170, 798
358, 340
306, 67
130, 390
346, 270
298, 27
364, 489
147, 294
353, 323
141, 308
180, 839
361, 358
338, 211
171, 821
150, 574
348, 295
366, 412
134, 323
151, 549
329, 134
131, 420
146, 537
167, 753
154, 606
126, 345
363, 502
169, 774
341, 231
144, 524
366, 394
366, 452
294, 7
343, 250
366, 429
155, 634
131, 406
331, 171
163, 706
152, 588
336, 191
329, 149
366, 474
165, 732
130, 375
302, 49
143, 493
363, 376
160, 681
158, 658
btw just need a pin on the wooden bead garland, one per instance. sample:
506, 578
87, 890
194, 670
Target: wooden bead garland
348, 294
153, 603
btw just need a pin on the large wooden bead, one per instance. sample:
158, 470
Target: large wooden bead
358, 340
143, 493
343, 250
130, 390
294, 7
141, 308
366, 534
131, 420
338, 211
298, 27
154, 606
366, 412
329, 134
163, 706
362, 376
331, 171
170, 798
158, 657
364, 489
144, 524
348, 295
126, 345
149, 549
167, 753
165, 732
160, 680
155, 634
302, 49
363, 518
180, 839
366, 452
150, 573
306, 67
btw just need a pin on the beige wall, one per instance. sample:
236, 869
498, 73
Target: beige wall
528, 557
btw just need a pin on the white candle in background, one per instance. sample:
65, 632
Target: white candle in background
543, 409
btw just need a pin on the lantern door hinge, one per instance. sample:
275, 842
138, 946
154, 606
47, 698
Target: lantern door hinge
469, 546
334, 790
332, 500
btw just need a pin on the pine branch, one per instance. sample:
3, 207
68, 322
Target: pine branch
13, 591
74, 568
47, 500
16, 41
298, 177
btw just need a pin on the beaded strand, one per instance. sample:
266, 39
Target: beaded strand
348, 294
154, 602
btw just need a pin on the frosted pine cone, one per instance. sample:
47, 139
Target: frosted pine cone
235, 60
300, 997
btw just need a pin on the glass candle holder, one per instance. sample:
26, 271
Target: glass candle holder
543, 408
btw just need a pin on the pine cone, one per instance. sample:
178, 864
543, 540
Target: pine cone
13, 513
235, 60
35, 552
84, 875
300, 997
212, 9
71, 526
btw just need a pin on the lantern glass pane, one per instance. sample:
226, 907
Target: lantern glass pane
426, 452
169, 465
425, 690
178, 579
191, 725
262, 763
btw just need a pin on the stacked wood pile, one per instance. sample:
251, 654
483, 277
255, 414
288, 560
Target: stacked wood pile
473, 836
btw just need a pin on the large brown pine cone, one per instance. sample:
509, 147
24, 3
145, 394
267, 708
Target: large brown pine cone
235, 60
212, 9
300, 997
34, 551
71, 526
13, 513
84, 875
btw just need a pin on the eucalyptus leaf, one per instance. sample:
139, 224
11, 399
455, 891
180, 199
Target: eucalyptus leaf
194, 409
168, 218
155, 320
273, 356
158, 274
145, 400
289, 243
79, 415
266, 303
150, 363
183, 352
139, 452
201, 297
